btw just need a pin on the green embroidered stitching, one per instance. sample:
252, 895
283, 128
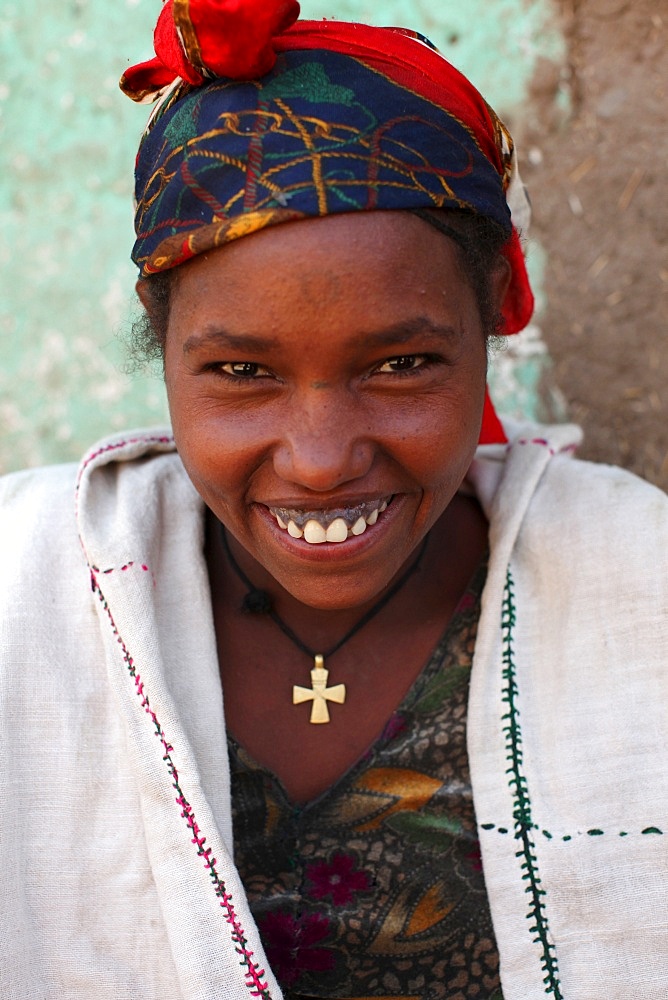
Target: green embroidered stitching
522, 807
311, 82
595, 832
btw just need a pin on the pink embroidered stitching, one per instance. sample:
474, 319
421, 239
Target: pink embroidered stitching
545, 444
165, 439
155, 439
253, 975
113, 569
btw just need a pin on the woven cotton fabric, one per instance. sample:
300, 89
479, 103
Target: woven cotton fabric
118, 878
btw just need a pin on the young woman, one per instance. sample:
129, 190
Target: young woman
270, 677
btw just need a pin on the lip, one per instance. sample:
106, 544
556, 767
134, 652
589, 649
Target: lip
339, 552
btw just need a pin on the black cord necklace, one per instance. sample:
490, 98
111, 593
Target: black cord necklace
259, 601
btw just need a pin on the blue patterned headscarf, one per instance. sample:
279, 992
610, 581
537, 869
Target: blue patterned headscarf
320, 133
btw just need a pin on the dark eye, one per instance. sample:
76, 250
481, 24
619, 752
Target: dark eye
242, 369
403, 363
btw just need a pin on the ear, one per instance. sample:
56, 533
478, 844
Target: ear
151, 303
500, 282
155, 300
144, 295
517, 307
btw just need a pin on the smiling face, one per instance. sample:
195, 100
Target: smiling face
326, 382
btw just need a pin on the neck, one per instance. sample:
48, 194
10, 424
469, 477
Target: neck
265, 601
457, 543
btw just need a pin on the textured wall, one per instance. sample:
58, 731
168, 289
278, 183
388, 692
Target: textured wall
67, 143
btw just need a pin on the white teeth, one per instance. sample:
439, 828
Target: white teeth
314, 533
337, 531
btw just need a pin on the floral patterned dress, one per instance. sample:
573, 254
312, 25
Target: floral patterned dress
375, 888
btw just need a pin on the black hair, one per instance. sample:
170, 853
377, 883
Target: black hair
478, 239
146, 340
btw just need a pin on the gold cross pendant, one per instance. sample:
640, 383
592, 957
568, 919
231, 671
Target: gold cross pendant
319, 693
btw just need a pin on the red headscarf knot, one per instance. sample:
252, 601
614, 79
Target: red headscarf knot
200, 39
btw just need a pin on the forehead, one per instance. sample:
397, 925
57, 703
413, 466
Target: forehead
388, 262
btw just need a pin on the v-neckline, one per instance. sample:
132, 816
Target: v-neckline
473, 591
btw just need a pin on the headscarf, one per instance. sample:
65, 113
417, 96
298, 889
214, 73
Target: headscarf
263, 119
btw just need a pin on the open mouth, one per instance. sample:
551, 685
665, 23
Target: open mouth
338, 525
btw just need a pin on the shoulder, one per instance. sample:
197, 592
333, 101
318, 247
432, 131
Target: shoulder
36, 502
50, 480
536, 478
600, 502
42, 567
570, 518
42, 511
591, 549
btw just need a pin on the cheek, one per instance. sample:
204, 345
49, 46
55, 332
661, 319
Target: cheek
440, 452
213, 436
219, 450
437, 435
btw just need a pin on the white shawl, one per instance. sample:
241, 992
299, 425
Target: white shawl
117, 879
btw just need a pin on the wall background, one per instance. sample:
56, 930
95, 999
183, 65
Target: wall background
67, 144
598, 184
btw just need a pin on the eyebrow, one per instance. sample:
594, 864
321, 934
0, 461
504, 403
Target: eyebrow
391, 336
223, 338
400, 333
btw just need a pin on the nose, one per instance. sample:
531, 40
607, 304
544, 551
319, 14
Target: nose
325, 442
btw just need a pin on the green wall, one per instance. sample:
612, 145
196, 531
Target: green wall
67, 145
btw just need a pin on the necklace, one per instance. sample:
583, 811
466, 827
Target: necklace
259, 601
